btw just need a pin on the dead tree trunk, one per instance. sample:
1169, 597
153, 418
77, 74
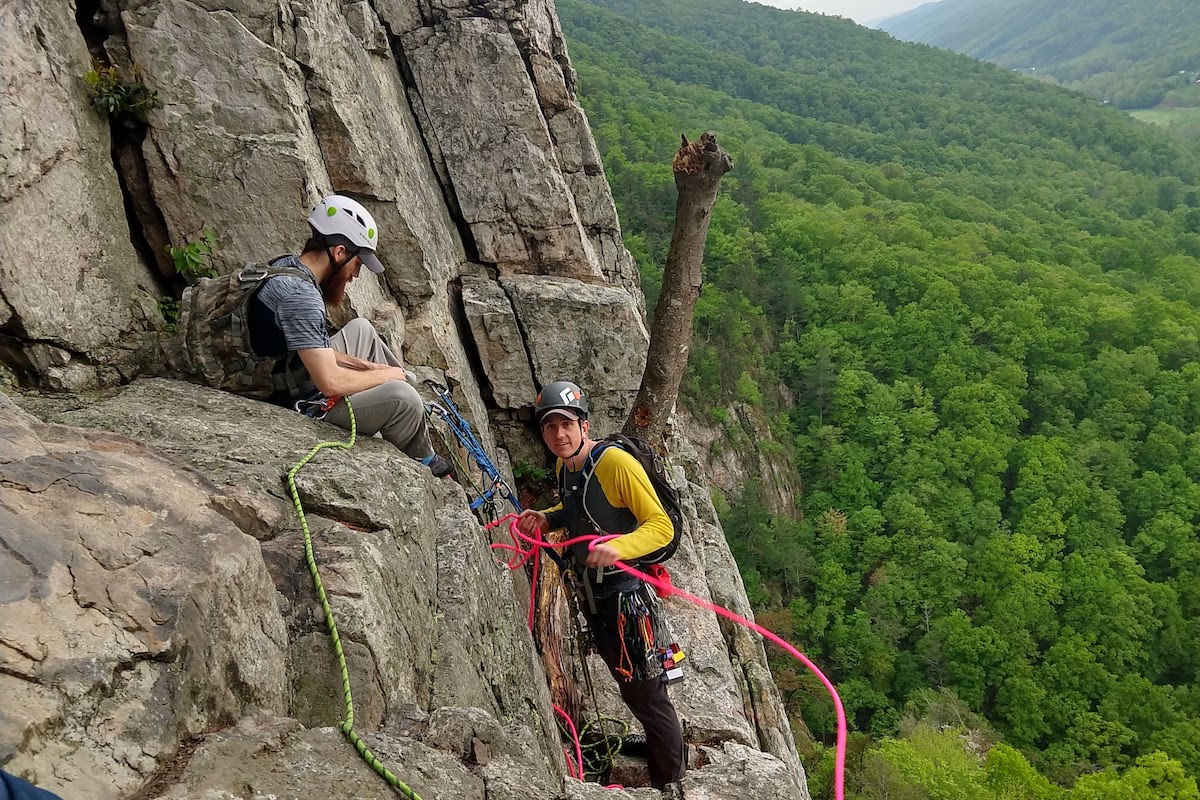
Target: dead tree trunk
555, 635
699, 167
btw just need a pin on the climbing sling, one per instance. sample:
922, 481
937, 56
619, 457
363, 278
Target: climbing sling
497, 488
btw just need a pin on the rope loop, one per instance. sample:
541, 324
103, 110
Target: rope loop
536, 543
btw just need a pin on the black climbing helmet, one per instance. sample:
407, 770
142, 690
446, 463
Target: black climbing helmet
561, 396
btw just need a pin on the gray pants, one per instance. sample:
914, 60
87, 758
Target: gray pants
394, 410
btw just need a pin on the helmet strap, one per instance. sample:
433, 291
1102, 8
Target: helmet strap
582, 441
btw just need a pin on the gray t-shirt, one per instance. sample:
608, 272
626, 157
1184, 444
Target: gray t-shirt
288, 314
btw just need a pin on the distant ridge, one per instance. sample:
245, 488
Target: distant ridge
913, 15
1131, 54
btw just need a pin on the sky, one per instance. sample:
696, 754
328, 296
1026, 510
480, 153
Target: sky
861, 11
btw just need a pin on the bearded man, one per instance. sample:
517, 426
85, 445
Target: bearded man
263, 332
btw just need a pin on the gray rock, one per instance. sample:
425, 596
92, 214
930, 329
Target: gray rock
735, 772
729, 453
135, 614
71, 279
760, 698
429, 618
590, 334
265, 756
484, 113
234, 130
499, 342
265, 120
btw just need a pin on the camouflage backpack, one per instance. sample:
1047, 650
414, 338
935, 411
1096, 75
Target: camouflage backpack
212, 337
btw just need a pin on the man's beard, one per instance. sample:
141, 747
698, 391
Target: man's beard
333, 290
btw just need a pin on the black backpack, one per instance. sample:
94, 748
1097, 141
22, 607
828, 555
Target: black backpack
648, 457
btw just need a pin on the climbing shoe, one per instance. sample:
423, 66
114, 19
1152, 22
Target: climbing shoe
634, 744
440, 467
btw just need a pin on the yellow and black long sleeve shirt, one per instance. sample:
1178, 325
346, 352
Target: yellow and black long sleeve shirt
620, 498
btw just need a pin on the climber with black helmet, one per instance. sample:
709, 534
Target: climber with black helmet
287, 320
606, 490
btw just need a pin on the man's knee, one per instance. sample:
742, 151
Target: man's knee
404, 395
359, 326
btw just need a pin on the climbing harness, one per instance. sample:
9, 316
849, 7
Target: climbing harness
536, 543
347, 725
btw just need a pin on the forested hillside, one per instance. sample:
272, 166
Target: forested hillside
1132, 53
982, 295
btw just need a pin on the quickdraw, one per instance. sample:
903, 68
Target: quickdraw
317, 407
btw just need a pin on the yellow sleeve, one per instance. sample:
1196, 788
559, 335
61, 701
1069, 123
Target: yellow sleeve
626, 485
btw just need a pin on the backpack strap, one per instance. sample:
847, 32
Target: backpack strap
589, 469
291, 379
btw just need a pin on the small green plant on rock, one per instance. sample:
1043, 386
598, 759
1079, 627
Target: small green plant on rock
194, 260
121, 92
169, 308
526, 470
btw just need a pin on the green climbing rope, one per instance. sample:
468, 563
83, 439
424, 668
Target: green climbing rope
347, 725
598, 755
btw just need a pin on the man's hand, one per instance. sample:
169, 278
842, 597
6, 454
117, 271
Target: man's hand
603, 555
531, 521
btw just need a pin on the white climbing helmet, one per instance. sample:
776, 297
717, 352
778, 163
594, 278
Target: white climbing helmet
340, 220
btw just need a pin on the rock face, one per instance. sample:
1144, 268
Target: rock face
592, 335
65, 252
729, 455
149, 607
199, 604
135, 614
160, 634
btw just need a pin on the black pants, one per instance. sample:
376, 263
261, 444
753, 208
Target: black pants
647, 700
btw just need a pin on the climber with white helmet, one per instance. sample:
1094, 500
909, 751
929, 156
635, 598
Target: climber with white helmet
263, 332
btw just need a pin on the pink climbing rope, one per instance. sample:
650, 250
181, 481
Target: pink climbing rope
576, 772
523, 555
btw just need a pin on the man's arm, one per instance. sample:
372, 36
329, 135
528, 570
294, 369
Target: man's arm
333, 379
354, 362
626, 485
